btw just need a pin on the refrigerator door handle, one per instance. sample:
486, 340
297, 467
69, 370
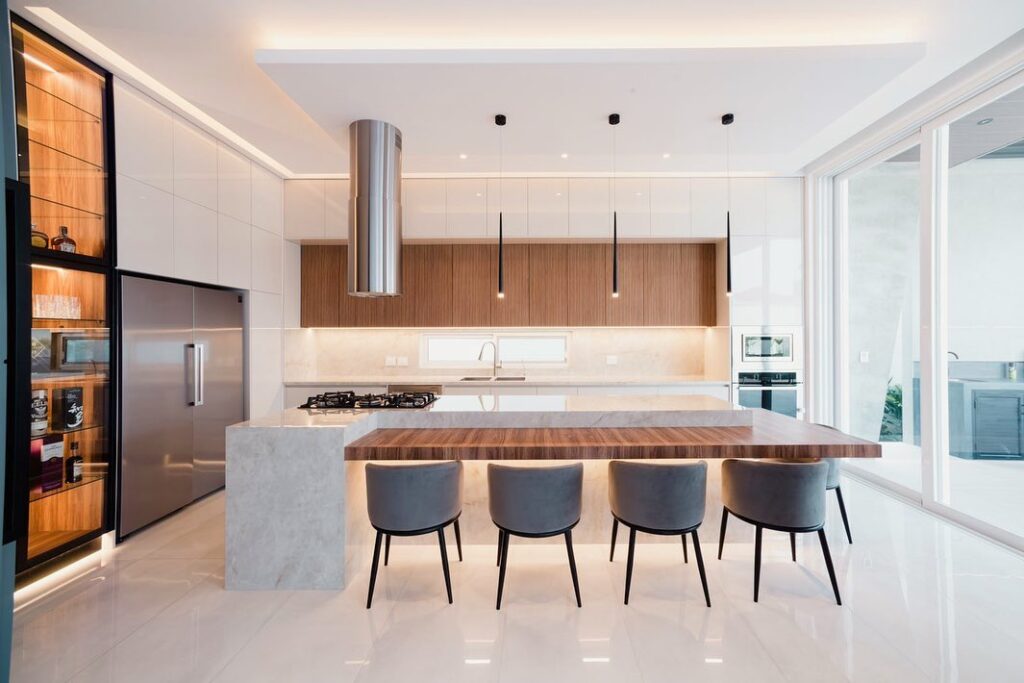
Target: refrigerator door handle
195, 375
200, 377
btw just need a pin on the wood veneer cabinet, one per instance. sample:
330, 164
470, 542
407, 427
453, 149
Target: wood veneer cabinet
546, 285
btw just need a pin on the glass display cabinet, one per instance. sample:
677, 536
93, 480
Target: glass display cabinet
62, 389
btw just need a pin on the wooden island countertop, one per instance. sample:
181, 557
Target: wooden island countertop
770, 436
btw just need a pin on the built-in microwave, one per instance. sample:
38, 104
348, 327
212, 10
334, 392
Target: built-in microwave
79, 350
776, 347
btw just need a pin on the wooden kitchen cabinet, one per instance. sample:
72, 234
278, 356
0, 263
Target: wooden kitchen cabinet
546, 285
628, 307
589, 285
549, 299
474, 284
513, 310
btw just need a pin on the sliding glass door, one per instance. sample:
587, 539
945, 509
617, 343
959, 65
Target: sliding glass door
984, 313
878, 311
923, 287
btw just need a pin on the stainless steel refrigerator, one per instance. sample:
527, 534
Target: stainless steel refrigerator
182, 363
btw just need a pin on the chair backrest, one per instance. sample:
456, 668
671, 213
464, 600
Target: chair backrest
833, 463
413, 497
783, 494
661, 496
535, 500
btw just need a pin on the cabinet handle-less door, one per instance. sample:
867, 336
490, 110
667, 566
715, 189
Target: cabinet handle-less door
197, 376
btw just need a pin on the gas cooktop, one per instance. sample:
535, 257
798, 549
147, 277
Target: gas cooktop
352, 400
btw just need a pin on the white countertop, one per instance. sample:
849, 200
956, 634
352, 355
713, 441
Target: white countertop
531, 380
524, 411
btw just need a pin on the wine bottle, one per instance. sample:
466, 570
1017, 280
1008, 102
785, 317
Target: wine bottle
73, 465
39, 238
64, 243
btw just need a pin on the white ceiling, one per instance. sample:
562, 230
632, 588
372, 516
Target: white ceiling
848, 63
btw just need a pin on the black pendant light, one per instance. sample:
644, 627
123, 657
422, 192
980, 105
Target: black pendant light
727, 120
613, 120
500, 121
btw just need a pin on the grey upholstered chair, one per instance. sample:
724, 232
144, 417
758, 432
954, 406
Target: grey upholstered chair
658, 498
781, 496
535, 502
412, 500
832, 484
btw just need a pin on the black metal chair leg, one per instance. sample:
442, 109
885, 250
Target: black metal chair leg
444, 564
686, 555
615, 533
721, 535
373, 569
458, 539
629, 563
842, 511
387, 548
792, 544
757, 562
700, 566
501, 537
828, 563
503, 553
572, 567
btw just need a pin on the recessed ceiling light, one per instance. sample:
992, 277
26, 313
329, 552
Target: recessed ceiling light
479, 194
565, 155
985, 122
463, 156
558, 194
666, 155
639, 194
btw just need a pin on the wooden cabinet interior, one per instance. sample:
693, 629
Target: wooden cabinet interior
546, 285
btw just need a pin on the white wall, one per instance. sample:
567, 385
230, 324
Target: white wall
190, 206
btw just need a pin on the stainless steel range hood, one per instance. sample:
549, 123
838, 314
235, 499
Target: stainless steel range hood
375, 209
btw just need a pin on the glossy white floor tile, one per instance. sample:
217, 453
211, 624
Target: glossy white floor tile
923, 601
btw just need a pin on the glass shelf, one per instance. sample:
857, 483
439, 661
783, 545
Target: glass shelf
61, 432
37, 494
61, 103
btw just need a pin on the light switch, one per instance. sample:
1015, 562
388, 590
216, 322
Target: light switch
611, 360
389, 361
865, 357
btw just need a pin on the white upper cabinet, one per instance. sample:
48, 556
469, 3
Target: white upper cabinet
267, 261
304, 211
784, 206
670, 208
590, 207
767, 280
336, 209
507, 196
144, 141
548, 202
145, 228
234, 252
466, 202
633, 204
423, 208
747, 208
234, 184
195, 165
708, 204
267, 200
195, 242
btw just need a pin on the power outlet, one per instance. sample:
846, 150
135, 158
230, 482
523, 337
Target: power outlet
389, 361
611, 360
403, 361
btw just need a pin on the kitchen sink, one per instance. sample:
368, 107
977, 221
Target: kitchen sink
509, 379
476, 379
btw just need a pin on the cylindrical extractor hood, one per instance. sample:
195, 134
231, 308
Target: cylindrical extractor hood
375, 209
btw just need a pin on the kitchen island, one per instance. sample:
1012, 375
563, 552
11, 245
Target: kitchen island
296, 516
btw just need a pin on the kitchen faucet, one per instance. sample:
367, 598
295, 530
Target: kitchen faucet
494, 347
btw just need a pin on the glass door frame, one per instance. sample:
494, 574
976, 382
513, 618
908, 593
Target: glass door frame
826, 304
22, 256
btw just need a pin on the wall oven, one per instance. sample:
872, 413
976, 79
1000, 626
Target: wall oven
767, 369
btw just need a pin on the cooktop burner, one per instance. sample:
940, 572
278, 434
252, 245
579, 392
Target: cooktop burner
350, 399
